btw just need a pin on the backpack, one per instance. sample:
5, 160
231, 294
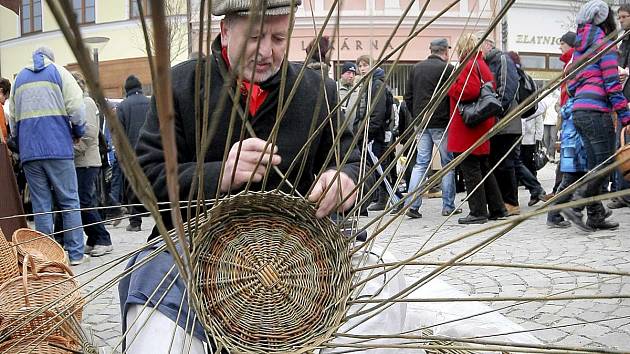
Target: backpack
526, 88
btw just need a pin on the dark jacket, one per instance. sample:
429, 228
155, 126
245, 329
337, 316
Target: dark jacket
293, 133
624, 53
376, 129
506, 78
423, 80
132, 112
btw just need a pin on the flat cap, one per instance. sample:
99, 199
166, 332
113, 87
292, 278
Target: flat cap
242, 7
439, 43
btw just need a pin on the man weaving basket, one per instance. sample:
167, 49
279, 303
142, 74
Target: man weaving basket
250, 49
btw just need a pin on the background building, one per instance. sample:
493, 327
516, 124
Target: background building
28, 24
364, 26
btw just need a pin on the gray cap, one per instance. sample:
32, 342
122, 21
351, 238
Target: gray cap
242, 7
440, 43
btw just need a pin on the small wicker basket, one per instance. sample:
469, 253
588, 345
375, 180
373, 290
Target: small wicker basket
624, 154
8, 260
40, 246
268, 276
26, 301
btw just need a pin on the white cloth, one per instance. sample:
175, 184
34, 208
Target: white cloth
155, 336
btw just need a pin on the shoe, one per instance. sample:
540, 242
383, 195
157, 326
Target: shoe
87, 249
397, 209
512, 209
534, 199
608, 214
75, 262
376, 206
498, 216
133, 228
616, 203
602, 225
562, 224
363, 212
576, 218
101, 250
471, 219
446, 212
413, 213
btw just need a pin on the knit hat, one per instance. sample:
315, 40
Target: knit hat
132, 82
242, 7
569, 38
594, 11
348, 66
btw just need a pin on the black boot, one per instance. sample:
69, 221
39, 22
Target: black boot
602, 225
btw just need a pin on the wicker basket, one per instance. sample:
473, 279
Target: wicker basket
8, 260
33, 344
624, 154
268, 275
25, 301
42, 247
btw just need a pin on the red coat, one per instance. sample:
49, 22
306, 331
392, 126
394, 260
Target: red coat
460, 136
566, 59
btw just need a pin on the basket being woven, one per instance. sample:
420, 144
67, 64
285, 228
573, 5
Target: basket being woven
26, 301
42, 247
268, 275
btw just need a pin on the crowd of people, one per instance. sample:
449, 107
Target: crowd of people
56, 130
58, 139
587, 109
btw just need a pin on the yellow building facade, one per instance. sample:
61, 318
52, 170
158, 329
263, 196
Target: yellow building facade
34, 25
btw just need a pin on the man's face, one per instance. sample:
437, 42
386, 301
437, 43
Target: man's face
347, 77
624, 19
564, 47
3, 98
364, 67
273, 45
486, 47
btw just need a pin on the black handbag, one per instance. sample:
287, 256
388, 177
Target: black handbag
485, 106
540, 157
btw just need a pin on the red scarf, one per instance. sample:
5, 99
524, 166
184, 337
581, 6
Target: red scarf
258, 95
566, 58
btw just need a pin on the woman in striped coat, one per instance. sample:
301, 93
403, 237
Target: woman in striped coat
597, 93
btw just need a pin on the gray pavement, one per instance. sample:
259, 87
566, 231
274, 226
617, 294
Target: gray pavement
576, 323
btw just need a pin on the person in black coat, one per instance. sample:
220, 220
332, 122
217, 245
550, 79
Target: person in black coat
425, 80
132, 113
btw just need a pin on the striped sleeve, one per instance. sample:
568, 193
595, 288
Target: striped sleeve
612, 85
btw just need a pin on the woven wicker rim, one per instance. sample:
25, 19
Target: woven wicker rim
268, 275
39, 245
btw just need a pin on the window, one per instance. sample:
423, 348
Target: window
134, 12
84, 10
31, 16
533, 61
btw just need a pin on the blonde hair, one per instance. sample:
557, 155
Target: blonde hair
466, 44
80, 80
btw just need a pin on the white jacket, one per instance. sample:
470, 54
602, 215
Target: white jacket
533, 125
551, 115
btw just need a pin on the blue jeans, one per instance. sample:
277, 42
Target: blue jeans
430, 137
46, 177
96, 234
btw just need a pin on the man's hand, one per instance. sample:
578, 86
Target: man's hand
251, 151
340, 189
623, 75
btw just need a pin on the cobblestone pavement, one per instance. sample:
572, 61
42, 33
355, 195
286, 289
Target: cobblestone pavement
531, 242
